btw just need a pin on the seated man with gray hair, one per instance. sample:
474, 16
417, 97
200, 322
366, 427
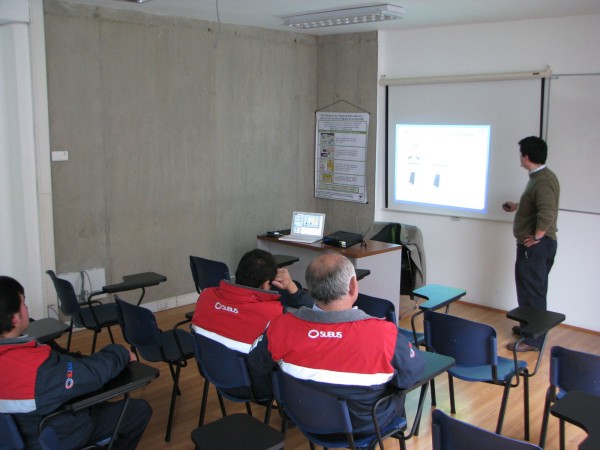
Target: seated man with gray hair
338, 348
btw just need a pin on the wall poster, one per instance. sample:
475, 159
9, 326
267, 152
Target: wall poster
341, 156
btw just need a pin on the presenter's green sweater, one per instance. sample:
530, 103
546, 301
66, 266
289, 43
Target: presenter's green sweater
538, 207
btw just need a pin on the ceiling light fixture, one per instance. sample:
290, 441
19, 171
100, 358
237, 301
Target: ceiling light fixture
348, 16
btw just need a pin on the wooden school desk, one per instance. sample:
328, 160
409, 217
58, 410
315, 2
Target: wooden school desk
383, 260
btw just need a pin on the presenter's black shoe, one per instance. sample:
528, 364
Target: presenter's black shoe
516, 330
522, 347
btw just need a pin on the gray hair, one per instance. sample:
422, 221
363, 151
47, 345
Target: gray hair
328, 277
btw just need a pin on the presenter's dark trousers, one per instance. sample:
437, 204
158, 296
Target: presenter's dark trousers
532, 268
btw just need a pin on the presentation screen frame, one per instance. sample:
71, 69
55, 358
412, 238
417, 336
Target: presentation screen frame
512, 109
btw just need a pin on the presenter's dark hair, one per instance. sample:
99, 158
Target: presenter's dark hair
256, 267
10, 302
535, 148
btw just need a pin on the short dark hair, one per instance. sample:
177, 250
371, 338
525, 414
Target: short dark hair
535, 148
328, 277
256, 267
10, 302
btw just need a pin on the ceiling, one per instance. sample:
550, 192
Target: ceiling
418, 13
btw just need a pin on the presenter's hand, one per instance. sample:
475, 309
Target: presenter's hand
529, 241
284, 281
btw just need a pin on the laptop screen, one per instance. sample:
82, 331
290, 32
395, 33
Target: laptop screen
308, 224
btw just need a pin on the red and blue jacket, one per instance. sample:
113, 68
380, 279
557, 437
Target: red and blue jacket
235, 315
36, 380
346, 353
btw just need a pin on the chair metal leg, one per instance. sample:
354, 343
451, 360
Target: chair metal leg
433, 400
248, 408
174, 374
526, 405
268, 409
562, 434
221, 404
451, 388
419, 413
545, 418
94, 342
112, 339
503, 405
172, 407
284, 419
119, 421
69, 337
203, 405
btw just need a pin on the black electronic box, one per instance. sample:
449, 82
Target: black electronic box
343, 239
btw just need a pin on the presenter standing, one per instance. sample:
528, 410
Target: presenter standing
534, 228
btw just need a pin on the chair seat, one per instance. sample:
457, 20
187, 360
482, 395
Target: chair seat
105, 313
449, 433
506, 368
170, 347
339, 441
570, 371
237, 431
245, 393
408, 334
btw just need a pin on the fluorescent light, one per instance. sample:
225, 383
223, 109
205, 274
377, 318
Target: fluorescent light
348, 16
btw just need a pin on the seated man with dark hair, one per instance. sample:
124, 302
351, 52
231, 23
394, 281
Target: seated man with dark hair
235, 314
36, 380
338, 348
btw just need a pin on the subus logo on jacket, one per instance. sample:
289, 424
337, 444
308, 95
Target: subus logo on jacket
70, 382
231, 309
314, 334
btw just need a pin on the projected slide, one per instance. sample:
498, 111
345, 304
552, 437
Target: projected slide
442, 165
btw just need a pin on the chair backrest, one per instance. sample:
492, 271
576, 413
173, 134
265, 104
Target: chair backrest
10, 436
223, 367
67, 299
208, 273
391, 233
469, 343
376, 307
448, 433
313, 410
140, 330
574, 370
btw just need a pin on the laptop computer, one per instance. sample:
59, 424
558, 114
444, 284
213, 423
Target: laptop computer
306, 227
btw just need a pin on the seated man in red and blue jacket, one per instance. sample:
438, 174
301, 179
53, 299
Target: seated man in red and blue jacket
338, 348
235, 314
36, 380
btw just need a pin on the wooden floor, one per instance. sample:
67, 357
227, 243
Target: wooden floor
477, 403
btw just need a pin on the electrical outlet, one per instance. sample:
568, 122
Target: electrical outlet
92, 280
60, 155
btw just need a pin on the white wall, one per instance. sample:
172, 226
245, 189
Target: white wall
26, 235
14, 11
479, 255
